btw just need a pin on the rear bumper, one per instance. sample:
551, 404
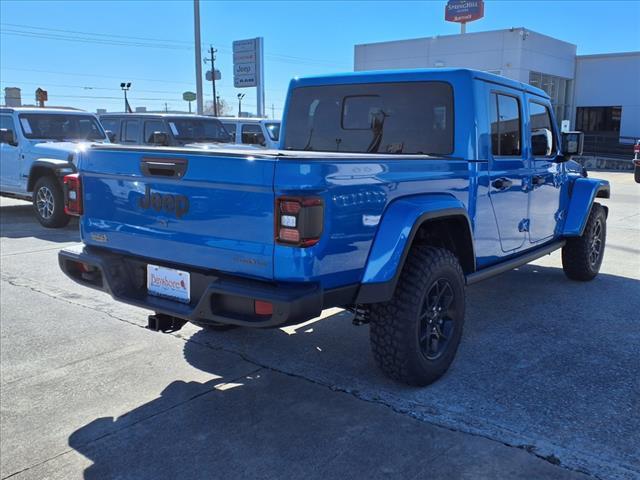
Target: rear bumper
214, 297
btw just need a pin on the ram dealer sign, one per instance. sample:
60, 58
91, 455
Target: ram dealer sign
463, 11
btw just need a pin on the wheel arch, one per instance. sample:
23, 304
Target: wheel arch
438, 220
583, 193
48, 167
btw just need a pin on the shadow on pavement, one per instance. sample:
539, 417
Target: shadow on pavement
546, 364
19, 221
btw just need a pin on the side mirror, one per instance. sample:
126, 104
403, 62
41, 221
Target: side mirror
7, 136
572, 143
541, 142
111, 136
159, 138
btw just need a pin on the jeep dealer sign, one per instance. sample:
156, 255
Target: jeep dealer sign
463, 11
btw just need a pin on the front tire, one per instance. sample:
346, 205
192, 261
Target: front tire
415, 335
582, 256
48, 203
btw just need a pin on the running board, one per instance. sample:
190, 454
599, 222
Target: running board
507, 265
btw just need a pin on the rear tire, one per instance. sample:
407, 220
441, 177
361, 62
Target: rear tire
415, 335
48, 203
582, 256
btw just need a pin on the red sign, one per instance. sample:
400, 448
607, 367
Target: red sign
463, 11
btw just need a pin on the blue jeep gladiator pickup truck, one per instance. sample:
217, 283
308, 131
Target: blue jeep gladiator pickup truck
391, 192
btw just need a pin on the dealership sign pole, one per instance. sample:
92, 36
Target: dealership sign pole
463, 11
248, 68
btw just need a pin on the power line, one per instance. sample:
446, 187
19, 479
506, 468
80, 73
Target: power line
143, 42
76, 74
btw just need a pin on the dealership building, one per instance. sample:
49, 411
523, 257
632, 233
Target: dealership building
599, 94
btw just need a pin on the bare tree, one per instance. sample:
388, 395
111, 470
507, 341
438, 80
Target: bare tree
223, 107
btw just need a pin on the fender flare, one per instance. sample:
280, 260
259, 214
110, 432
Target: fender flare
58, 167
583, 193
399, 224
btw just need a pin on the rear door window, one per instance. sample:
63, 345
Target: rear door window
231, 129
252, 135
130, 131
506, 132
151, 126
112, 124
392, 118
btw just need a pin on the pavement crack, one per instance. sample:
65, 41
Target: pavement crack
531, 449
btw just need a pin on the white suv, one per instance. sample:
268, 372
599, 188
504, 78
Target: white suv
253, 131
38, 148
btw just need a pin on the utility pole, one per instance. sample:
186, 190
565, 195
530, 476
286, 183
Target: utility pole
273, 112
212, 60
196, 28
166, 107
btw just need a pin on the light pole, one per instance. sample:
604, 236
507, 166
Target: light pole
240, 97
125, 88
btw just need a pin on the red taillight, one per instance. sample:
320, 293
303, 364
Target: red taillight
73, 194
299, 221
263, 308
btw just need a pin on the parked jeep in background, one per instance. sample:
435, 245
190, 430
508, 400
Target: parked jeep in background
253, 131
392, 192
164, 129
38, 147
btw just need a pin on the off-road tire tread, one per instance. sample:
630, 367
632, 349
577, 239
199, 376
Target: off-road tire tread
389, 329
575, 253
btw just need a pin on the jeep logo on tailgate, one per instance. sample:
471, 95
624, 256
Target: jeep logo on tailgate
176, 204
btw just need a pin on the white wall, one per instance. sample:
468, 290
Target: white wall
513, 52
611, 80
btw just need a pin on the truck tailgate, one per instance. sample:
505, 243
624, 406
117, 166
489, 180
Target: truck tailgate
208, 210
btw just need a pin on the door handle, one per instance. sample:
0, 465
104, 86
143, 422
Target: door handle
502, 183
538, 180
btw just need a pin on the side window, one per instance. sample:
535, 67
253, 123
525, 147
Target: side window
231, 128
112, 124
6, 122
130, 131
505, 125
151, 126
543, 138
252, 135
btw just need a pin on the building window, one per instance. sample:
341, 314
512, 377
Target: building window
558, 89
603, 120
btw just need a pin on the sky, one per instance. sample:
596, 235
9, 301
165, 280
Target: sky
80, 51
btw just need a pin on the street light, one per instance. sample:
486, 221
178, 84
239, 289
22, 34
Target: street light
240, 97
125, 87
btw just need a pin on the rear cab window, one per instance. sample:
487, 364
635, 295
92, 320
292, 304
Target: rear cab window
390, 118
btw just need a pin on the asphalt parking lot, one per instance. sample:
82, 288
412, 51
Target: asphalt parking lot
545, 385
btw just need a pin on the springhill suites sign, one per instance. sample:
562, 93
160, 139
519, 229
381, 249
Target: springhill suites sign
463, 11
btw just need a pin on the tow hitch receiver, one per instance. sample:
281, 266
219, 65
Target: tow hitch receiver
164, 323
